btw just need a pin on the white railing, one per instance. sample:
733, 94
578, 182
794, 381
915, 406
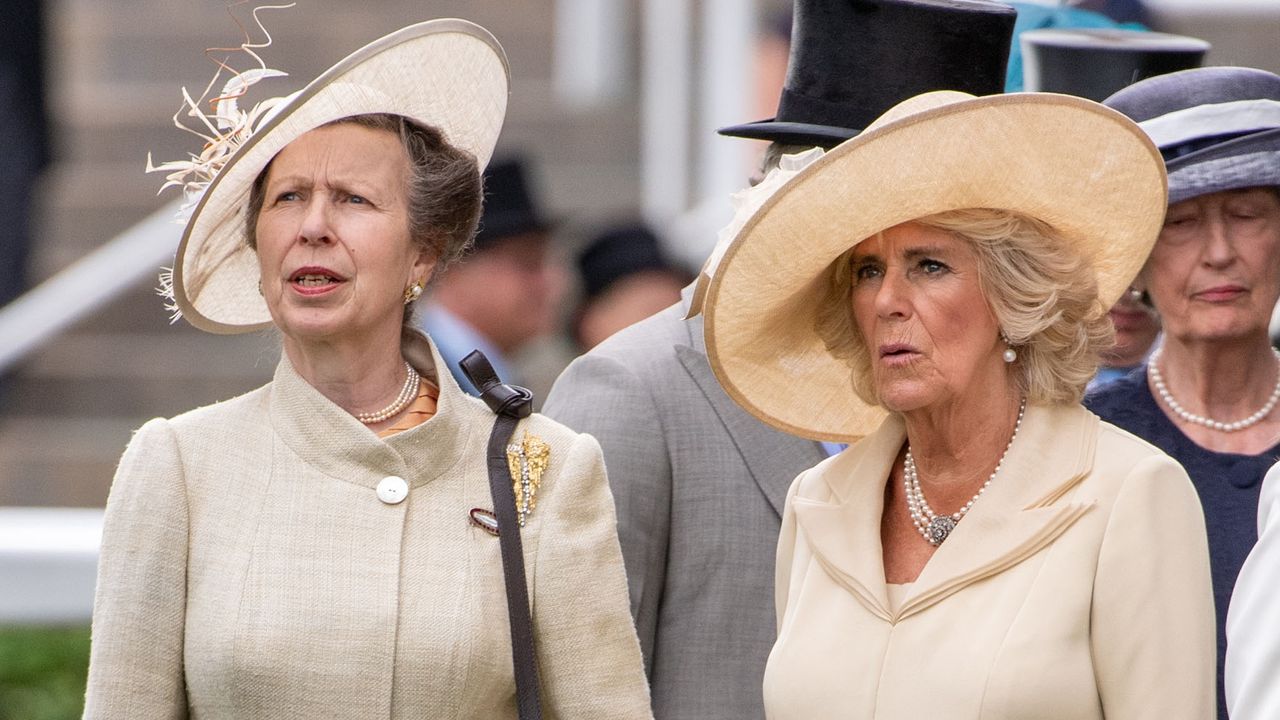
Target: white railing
48, 564
86, 285
49, 556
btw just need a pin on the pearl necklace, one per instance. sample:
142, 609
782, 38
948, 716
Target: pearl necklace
933, 527
1157, 379
408, 393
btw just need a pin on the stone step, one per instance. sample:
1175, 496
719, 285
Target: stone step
178, 354
132, 396
93, 131
68, 461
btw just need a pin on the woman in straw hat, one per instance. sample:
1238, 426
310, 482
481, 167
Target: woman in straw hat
325, 546
1207, 396
934, 291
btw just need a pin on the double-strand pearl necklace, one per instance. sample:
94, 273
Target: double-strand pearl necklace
408, 393
1158, 380
933, 527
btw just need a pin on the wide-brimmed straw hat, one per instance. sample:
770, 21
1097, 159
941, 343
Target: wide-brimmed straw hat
1218, 127
448, 74
1086, 170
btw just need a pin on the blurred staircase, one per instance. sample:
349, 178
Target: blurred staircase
115, 69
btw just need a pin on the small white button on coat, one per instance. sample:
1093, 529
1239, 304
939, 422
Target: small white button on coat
393, 490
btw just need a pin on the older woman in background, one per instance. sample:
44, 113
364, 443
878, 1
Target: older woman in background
935, 291
1208, 394
322, 546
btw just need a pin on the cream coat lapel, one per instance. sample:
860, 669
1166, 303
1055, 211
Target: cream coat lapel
770, 455
843, 529
328, 437
1021, 513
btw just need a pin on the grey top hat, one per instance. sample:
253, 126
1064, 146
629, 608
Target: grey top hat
1218, 128
1096, 62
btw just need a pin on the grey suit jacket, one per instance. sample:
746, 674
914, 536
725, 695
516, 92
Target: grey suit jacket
699, 486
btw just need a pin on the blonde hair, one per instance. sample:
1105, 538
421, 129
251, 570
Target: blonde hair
1043, 295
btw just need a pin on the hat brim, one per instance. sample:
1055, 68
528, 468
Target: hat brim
790, 133
1084, 169
486, 238
448, 74
1248, 161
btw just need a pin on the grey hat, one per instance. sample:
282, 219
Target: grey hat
1218, 128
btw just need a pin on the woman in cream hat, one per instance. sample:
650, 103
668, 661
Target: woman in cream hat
1207, 395
934, 292
325, 546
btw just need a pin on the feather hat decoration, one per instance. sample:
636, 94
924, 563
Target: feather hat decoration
226, 126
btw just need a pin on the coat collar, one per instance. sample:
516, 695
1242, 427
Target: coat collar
772, 457
1017, 516
330, 439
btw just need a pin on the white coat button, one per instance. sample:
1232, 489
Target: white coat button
392, 490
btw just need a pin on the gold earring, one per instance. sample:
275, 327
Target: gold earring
413, 292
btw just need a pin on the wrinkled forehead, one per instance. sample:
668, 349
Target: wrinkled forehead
909, 239
344, 153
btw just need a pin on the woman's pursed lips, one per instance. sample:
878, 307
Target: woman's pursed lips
1219, 293
897, 350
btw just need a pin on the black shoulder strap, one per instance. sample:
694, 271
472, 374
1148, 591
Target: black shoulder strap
510, 403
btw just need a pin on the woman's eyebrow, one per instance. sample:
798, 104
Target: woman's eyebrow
922, 251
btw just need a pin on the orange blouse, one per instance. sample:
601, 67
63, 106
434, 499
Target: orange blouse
421, 410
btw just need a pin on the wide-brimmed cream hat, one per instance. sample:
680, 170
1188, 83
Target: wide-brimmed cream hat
1084, 169
449, 74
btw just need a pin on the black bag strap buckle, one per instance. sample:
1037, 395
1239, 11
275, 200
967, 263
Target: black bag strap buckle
503, 399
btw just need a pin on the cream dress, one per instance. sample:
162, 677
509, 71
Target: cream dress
1077, 588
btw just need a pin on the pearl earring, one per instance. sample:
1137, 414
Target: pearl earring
413, 292
1009, 353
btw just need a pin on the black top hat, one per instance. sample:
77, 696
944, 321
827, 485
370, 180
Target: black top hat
509, 207
851, 60
1095, 63
621, 252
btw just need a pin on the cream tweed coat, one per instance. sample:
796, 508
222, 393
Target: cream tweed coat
249, 570
1077, 588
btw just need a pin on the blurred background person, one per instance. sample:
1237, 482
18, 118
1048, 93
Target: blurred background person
24, 124
506, 292
625, 278
1209, 391
1137, 326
